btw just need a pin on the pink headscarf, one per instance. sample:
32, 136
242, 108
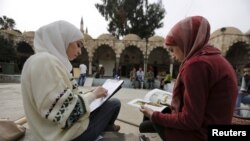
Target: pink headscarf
191, 35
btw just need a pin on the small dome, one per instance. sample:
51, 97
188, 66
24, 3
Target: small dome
225, 30
106, 37
248, 33
133, 37
29, 34
12, 32
156, 39
86, 36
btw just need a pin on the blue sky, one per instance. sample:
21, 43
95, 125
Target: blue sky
31, 14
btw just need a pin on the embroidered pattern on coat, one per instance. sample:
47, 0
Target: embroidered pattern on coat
63, 108
56, 100
77, 112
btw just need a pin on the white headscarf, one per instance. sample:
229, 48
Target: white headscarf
54, 38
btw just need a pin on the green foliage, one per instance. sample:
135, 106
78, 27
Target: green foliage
7, 23
7, 51
132, 16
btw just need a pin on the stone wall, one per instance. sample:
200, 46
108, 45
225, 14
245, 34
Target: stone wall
9, 78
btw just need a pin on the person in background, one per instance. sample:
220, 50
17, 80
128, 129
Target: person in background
101, 71
119, 72
205, 90
55, 108
244, 92
82, 77
167, 79
132, 77
114, 72
150, 78
140, 77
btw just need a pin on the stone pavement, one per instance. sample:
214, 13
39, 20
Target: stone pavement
11, 106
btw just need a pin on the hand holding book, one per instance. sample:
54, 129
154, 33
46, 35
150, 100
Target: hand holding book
147, 111
156, 99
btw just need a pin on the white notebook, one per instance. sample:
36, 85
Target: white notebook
112, 85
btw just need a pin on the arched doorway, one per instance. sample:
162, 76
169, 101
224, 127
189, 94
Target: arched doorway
130, 57
238, 56
105, 56
24, 51
160, 60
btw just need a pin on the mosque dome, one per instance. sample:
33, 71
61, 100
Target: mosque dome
130, 37
156, 39
248, 33
226, 30
29, 33
11, 32
106, 37
86, 36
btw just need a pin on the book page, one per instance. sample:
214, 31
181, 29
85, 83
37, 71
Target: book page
112, 85
159, 97
139, 102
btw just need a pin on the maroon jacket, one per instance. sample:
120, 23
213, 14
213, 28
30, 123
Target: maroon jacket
207, 94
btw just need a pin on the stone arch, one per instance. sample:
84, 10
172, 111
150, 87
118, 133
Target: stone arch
225, 37
138, 44
105, 39
25, 48
154, 42
24, 51
104, 55
28, 37
159, 59
238, 54
130, 57
236, 39
134, 40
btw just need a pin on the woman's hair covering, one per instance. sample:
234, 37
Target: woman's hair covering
190, 34
55, 38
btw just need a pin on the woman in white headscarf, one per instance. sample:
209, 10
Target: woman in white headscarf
55, 109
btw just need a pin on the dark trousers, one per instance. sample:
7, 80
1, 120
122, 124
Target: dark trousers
147, 126
101, 120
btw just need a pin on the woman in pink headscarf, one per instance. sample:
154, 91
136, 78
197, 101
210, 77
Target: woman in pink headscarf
206, 87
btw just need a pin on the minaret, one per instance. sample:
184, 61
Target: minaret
81, 26
86, 30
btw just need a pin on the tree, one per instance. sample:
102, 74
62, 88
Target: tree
132, 16
7, 23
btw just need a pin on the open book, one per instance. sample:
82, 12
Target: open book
112, 85
155, 99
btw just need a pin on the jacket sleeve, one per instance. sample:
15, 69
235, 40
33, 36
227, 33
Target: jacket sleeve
195, 79
56, 97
